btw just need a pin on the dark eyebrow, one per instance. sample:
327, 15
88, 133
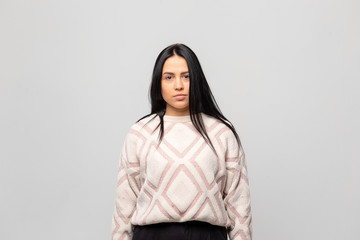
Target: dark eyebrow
170, 73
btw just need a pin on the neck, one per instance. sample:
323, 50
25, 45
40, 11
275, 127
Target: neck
170, 112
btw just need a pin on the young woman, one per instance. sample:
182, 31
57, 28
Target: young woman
182, 170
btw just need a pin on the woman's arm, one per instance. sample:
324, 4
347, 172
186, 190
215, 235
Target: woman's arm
127, 190
237, 193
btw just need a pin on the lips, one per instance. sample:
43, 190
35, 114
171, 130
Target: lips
180, 97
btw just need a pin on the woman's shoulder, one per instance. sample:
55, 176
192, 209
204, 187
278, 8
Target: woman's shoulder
213, 123
147, 121
220, 130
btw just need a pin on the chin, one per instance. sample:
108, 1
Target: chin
181, 107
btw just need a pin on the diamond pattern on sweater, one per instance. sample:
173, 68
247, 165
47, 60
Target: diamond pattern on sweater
206, 208
174, 135
183, 190
161, 163
182, 179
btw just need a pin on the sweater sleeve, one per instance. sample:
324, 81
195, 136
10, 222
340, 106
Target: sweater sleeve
127, 189
237, 193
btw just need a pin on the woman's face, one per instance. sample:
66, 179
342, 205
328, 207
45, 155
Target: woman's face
175, 83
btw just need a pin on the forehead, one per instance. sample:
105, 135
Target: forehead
175, 64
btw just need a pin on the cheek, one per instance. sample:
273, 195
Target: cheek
187, 86
162, 87
164, 91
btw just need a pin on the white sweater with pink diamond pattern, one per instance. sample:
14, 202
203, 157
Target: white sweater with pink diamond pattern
182, 179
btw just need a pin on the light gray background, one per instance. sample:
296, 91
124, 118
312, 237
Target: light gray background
75, 76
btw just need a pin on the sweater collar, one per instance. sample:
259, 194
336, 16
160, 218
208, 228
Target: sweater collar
185, 118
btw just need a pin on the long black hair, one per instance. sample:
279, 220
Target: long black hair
200, 97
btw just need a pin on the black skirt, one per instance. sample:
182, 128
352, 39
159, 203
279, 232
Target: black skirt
192, 230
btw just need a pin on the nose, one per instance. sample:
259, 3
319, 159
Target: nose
178, 83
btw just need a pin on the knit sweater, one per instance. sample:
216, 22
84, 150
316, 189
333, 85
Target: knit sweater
182, 179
